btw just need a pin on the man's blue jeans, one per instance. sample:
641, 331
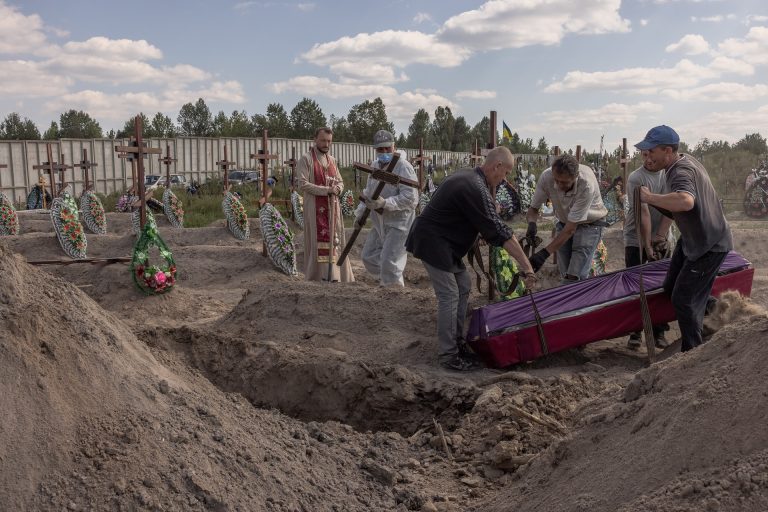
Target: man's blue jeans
452, 292
574, 258
689, 283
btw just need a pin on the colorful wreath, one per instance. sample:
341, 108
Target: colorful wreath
297, 203
68, 229
94, 216
237, 218
173, 209
279, 239
508, 201
347, 203
9, 219
125, 203
505, 271
136, 220
526, 184
598, 260
35, 198
756, 198
150, 278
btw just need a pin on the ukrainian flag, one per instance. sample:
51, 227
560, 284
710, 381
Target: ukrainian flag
506, 133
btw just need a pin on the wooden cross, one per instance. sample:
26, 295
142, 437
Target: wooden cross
84, 165
62, 168
48, 167
476, 155
578, 153
291, 163
138, 151
419, 160
491, 144
624, 159
263, 156
167, 161
225, 165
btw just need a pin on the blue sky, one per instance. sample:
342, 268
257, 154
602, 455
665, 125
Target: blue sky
567, 70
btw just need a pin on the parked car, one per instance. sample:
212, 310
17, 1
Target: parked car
151, 179
243, 176
177, 180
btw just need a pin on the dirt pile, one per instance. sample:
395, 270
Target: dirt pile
687, 433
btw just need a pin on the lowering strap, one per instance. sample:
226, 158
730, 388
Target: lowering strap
650, 342
539, 326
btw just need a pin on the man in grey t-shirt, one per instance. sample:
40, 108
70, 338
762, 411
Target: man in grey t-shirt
656, 236
705, 237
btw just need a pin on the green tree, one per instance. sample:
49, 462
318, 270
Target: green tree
340, 127
162, 126
15, 128
479, 133
442, 128
366, 118
419, 129
752, 143
220, 125
52, 133
77, 124
129, 128
401, 141
276, 121
306, 117
460, 140
195, 120
542, 148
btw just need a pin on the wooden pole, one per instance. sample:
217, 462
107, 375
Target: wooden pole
491, 144
624, 156
578, 153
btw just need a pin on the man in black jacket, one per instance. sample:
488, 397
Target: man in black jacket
461, 208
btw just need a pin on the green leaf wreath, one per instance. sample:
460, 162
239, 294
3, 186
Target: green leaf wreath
94, 217
347, 200
279, 239
152, 278
173, 208
599, 259
297, 204
136, 220
505, 269
237, 218
9, 219
69, 231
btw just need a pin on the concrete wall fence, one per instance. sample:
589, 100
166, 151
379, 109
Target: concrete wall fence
196, 159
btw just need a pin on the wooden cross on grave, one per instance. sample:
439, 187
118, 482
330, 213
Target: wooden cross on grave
263, 157
48, 167
419, 160
225, 165
3, 166
167, 161
291, 163
62, 168
137, 151
476, 156
85, 165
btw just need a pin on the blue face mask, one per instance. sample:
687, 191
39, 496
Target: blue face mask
384, 158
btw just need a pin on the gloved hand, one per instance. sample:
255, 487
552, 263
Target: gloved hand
538, 259
530, 234
375, 204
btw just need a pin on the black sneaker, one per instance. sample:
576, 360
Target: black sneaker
633, 343
661, 342
465, 351
459, 363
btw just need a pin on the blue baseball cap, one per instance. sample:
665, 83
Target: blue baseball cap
657, 136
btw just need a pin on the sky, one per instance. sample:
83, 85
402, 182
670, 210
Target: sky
567, 70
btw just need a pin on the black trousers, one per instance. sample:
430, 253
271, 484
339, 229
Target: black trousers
689, 283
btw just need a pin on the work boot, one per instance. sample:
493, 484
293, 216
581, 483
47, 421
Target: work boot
460, 364
466, 351
634, 342
660, 341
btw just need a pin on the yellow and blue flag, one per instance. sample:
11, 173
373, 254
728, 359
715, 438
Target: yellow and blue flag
506, 133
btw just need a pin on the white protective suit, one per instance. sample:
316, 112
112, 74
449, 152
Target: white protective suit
384, 250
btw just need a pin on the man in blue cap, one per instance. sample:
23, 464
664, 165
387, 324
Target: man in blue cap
690, 200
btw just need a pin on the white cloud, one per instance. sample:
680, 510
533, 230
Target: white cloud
643, 22
475, 94
601, 118
730, 125
320, 86
28, 79
20, 33
390, 46
753, 48
690, 44
755, 18
421, 17
117, 49
379, 73
729, 65
306, 7
713, 19
500, 24
634, 80
719, 93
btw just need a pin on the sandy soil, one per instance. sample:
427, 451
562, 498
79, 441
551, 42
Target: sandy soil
245, 389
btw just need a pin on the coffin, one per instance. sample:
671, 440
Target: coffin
603, 307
